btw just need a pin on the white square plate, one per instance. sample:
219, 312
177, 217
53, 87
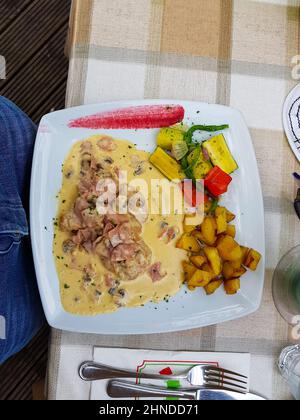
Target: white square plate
185, 310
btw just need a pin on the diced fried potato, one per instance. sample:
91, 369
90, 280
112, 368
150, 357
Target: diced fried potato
221, 219
252, 260
200, 278
188, 270
213, 286
198, 234
214, 223
207, 267
231, 231
240, 272
192, 288
208, 230
214, 259
188, 243
198, 260
237, 265
219, 240
235, 254
207, 206
229, 249
245, 252
232, 286
230, 216
230, 272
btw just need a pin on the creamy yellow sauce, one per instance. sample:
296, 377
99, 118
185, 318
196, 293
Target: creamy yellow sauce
79, 299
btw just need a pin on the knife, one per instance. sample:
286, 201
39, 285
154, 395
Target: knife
124, 389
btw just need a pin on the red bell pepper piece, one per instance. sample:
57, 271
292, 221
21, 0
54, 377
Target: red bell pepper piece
217, 181
191, 196
166, 371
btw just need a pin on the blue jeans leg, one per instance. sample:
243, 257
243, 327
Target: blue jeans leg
21, 314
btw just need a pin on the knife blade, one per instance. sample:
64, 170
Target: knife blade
215, 394
123, 389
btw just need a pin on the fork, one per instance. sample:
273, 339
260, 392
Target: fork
199, 375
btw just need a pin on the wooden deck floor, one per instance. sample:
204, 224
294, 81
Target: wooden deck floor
32, 40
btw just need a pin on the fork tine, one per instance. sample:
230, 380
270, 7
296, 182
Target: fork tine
222, 371
226, 377
223, 388
221, 383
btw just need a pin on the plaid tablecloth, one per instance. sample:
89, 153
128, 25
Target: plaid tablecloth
232, 52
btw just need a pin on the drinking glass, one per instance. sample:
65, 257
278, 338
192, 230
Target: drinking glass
289, 366
286, 286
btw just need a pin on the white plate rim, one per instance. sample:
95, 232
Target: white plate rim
169, 326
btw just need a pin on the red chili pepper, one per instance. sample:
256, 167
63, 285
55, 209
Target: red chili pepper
217, 181
191, 196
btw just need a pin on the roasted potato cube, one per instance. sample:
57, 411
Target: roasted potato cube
208, 230
235, 254
214, 259
237, 265
207, 267
231, 231
198, 234
252, 260
213, 286
221, 219
229, 249
230, 272
198, 260
232, 286
207, 206
188, 243
230, 216
240, 272
188, 270
245, 252
200, 278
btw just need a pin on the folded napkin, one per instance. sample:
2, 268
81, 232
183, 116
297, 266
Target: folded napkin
164, 362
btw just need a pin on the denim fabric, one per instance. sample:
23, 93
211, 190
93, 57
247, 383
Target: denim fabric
21, 313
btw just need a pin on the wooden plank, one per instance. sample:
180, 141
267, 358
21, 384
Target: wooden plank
38, 391
21, 371
30, 31
54, 102
40, 76
32, 39
10, 10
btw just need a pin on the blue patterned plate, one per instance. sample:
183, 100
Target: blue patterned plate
291, 120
